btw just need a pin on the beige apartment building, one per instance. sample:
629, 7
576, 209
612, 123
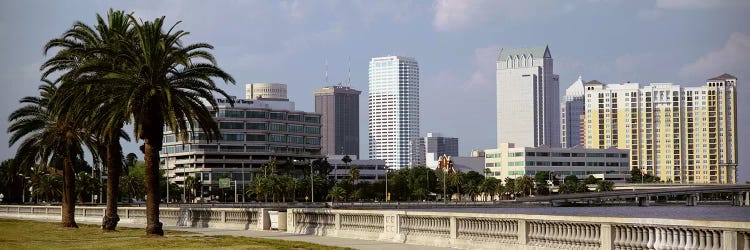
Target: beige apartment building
680, 134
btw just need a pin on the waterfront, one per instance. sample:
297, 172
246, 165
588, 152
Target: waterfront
706, 212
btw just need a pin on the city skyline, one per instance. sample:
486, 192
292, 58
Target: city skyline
456, 43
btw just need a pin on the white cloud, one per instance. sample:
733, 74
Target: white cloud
451, 15
484, 67
732, 58
700, 4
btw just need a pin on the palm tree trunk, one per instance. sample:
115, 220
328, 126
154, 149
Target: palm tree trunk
114, 168
153, 226
69, 199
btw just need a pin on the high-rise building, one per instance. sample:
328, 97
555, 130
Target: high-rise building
436, 145
679, 134
394, 110
339, 107
571, 110
528, 111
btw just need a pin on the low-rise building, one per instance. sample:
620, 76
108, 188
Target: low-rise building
253, 132
510, 161
370, 170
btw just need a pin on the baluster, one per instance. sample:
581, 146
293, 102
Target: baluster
670, 239
618, 236
630, 238
717, 240
689, 243
651, 238
747, 240
553, 235
588, 231
641, 237
657, 238
675, 238
701, 240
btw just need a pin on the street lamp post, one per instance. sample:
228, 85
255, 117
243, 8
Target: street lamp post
312, 184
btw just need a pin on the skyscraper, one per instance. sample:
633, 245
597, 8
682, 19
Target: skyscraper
684, 135
436, 145
339, 107
394, 110
571, 110
528, 112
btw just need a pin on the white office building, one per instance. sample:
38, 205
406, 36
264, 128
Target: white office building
394, 111
572, 110
527, 98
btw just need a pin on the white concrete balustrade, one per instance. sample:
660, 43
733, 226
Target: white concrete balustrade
446, 229
521, 231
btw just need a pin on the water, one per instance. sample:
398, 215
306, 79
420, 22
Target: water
725, 213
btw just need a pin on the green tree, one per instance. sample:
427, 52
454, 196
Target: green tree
510, 187
192, 184
11, 180
455, 180
524, 185
470, 185
132, 186
336, 193
591, 180
49, 187
354, 174
86, 185
169, 84
499, 189
488, 187
47, 134
605, 186
83, 47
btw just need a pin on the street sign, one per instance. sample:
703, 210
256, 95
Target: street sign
224, 182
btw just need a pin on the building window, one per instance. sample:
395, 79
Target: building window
277, 115
231, 125
255, 137
312, 130
277, 127
256, 114
231, 113
257, 126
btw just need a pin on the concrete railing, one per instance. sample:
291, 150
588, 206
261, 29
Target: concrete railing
458, 230
231, 218
520, 231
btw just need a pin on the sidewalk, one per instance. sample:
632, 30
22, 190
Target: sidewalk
326, 241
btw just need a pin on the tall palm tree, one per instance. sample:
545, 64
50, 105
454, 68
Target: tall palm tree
49, 187
192, 184
162, 83
81, 50
46, 135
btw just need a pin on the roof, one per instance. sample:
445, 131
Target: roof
575, 89
594, 82
536, 52
724, 76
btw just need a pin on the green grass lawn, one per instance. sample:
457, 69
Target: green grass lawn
20, 234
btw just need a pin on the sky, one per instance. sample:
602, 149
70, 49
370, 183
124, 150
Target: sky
456, 43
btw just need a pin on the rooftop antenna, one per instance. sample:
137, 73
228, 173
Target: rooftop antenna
349, 72
326, 73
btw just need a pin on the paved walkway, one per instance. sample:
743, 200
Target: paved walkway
327, 241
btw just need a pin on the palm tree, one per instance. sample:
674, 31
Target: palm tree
524, 185
83, 48
336, 193
49, 187
168, 84
48, 134
11, 179
354, 174
130, 160
86, 185
192, 184
132, 185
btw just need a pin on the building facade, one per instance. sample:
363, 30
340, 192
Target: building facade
572, 110
679, 134
511, 161
528, 111
436, 145
252, 133
393, 128
339, 109
369, 170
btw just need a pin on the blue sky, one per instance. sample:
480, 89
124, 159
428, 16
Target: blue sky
455, 42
